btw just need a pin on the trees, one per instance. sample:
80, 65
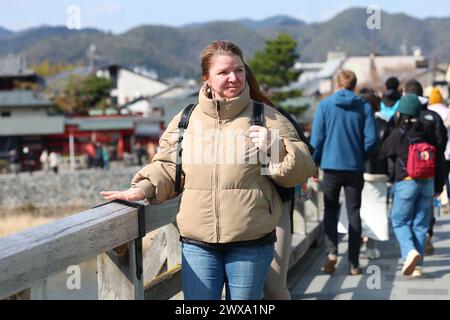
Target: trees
82, 94
47, 69
273, 67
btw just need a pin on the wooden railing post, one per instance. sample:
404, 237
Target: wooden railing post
39, 291
120, 273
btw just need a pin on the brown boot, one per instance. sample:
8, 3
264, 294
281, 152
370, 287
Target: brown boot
429, 249
330, 264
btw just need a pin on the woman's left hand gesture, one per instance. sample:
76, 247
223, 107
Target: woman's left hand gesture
260, 136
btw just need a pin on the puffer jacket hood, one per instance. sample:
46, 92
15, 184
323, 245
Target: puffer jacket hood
225, 200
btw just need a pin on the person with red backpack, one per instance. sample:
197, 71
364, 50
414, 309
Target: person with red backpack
412, 150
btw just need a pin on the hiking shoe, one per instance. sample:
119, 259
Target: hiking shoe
355, 271
330, 264
373, 253
412, 259
429, 249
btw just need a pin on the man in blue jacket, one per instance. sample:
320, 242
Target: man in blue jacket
343, 135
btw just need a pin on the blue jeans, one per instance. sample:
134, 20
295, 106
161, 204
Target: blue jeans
411, 214
243, 270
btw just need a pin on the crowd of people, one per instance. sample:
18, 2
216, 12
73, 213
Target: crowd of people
382, 149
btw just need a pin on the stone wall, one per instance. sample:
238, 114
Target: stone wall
55, 190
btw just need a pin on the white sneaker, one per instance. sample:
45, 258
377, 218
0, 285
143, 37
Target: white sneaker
417, 273
412, 259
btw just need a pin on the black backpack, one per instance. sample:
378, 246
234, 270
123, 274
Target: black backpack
286, 194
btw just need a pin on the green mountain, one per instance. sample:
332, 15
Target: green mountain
175, 51
5, 33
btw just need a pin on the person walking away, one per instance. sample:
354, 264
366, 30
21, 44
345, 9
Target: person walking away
435, 129
29, 159
44, 160
98, 158
14, 161
54, 161
343, 135
374, 213
229, 209
105, 157
390, 99
388, 108
414, 154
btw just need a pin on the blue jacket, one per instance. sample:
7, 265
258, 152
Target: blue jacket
344, 133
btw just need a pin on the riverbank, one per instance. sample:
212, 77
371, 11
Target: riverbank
28, 216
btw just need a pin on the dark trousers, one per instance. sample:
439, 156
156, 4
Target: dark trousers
353, 183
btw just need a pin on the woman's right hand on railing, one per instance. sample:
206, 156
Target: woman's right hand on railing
132, 194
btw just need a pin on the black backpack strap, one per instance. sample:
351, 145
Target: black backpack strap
297, 128
182, 125
258, 114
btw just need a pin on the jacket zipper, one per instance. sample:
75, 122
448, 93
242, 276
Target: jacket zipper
216, 173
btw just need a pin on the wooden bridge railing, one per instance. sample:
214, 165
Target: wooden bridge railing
113, 234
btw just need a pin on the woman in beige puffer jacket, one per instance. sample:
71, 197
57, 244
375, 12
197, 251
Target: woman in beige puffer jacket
229, 206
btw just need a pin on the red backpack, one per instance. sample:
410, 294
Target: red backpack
421, 161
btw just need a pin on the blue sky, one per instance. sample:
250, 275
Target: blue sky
120, 15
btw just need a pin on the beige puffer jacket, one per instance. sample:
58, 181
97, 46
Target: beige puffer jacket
225, 197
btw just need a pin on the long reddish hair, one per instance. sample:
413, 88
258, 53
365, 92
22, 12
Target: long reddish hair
255, 90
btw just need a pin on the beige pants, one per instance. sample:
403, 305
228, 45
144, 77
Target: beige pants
275, 287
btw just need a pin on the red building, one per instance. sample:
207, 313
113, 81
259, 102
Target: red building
118, 133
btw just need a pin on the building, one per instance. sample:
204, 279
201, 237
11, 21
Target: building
165, 104
25, 121
130, 84
402, 67
28, 124
318, 78
14, 72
